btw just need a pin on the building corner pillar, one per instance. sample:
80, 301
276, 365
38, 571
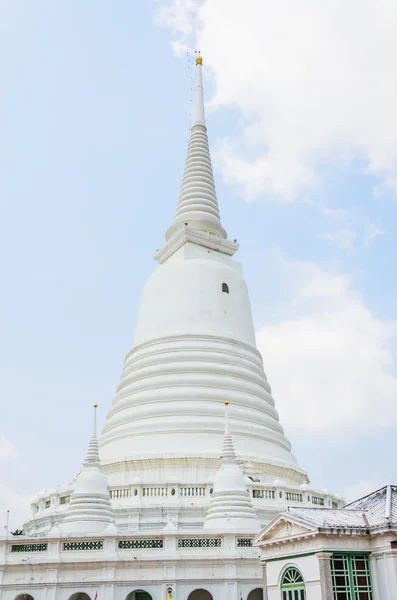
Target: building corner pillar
264, 579
324, 561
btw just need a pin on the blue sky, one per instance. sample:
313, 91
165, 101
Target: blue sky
94, 115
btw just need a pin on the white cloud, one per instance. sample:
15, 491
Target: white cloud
7, 449
348, 228
314, 81
328, 358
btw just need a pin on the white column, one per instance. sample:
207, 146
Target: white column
264, 579
324, 561
391, 567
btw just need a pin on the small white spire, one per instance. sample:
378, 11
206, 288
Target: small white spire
93, 451
228, 454
198, 205
90, 510
230, 506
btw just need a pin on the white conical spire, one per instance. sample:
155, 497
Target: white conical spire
90, 510
230, 506
198, 206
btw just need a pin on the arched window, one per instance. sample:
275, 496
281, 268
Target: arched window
225, 288
292, 585
23, 596
200, 595
139, 595
80, 596
256, 594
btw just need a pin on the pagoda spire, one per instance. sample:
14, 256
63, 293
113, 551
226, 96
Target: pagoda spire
230, 506
198, 205
90, 510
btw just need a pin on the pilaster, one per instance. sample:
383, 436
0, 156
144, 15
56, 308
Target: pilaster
324, 561
264, 579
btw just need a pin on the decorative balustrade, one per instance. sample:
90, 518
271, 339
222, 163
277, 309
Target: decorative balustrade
192, 491
77, 546
154, 491
121, 493
244, 542
199, 542
140, 544
293, 497
29, 547
318, 500
262, 493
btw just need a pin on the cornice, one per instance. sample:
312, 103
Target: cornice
200, 238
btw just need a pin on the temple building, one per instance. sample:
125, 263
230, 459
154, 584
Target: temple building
192, 462
349, 553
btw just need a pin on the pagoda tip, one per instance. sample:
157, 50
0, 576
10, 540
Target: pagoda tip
199, 60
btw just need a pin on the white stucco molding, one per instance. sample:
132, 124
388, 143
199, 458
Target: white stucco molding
201, 238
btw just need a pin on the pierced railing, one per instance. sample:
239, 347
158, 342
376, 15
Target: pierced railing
29, 547
244, 542
140, 544
77, 546
199, 543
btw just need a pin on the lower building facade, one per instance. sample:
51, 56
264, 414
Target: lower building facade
155, 567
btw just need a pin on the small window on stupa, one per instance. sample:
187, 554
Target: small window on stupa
225, 288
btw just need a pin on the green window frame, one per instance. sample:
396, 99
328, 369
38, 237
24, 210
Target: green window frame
142, 596
292, 585
351, 577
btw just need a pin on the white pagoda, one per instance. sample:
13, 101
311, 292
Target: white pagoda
169, 510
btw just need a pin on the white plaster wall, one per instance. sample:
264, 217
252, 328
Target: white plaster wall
184, 296
307, 565
113, 573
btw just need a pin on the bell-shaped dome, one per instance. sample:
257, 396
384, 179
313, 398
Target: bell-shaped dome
89, 510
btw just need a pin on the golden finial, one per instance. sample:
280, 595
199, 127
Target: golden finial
226, 403
95, 405
199, 60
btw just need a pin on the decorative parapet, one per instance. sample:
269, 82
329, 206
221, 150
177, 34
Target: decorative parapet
140, 544
199, 542
77, 546
261, 494
29, 547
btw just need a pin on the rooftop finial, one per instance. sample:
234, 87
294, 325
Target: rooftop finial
94, 426
198, 104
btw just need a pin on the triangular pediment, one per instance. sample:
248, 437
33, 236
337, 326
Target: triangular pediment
283, 527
